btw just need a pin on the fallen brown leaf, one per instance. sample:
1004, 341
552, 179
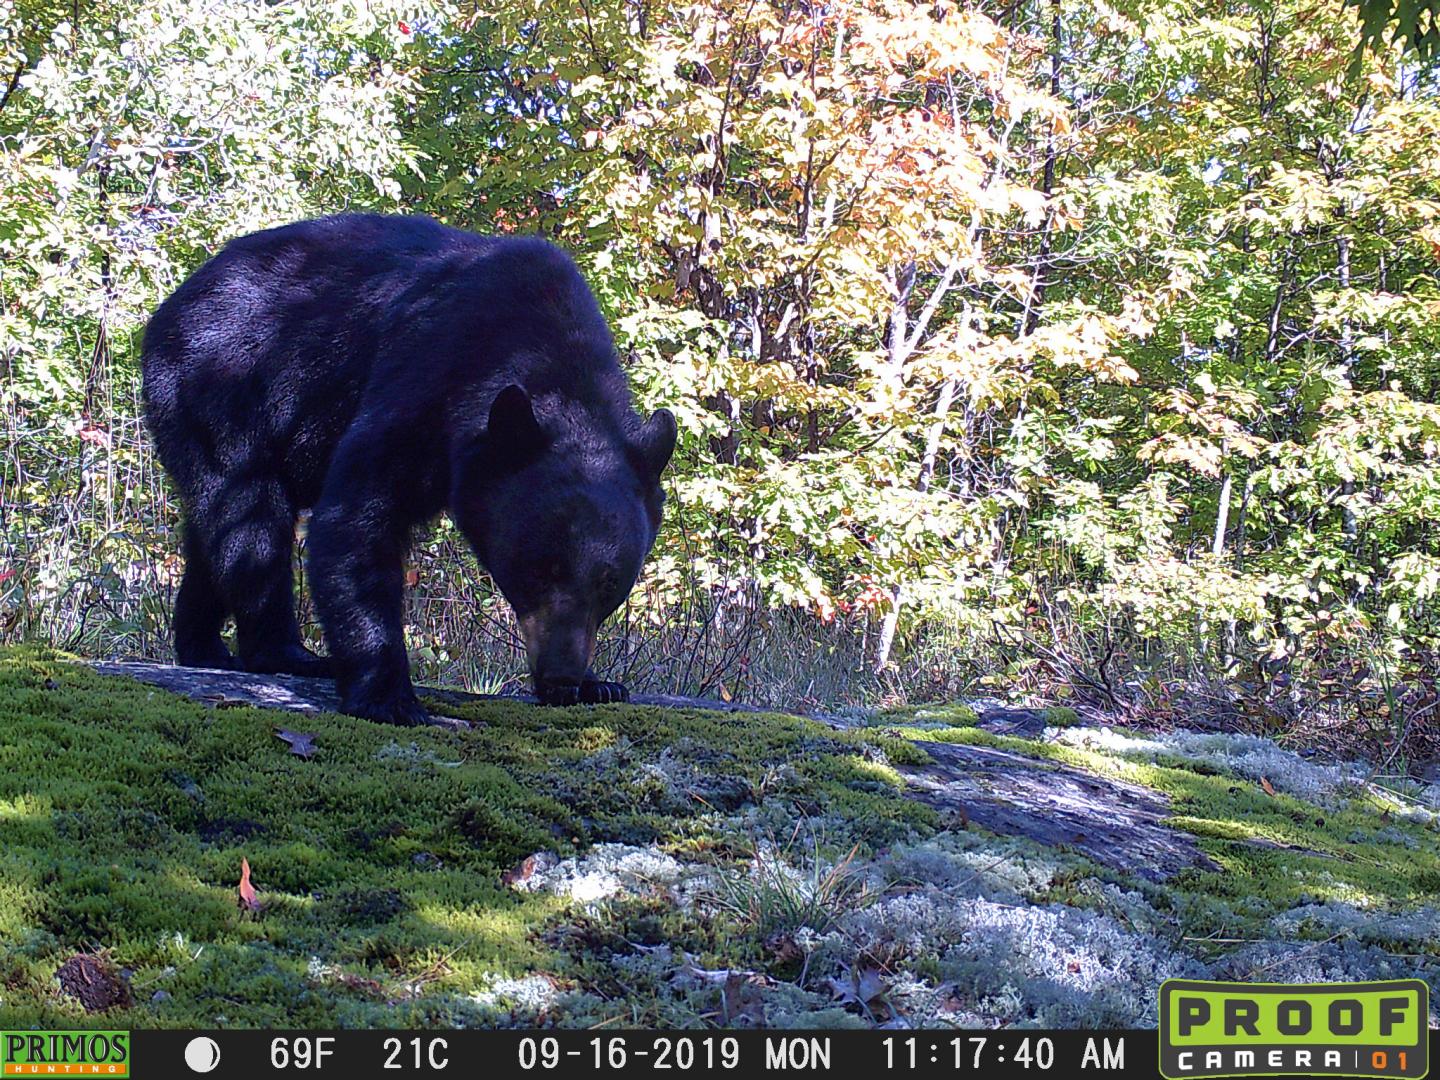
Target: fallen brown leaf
1269, 788
951, 1002
865, 987
740, 1000
783, 949
302, 744
360, 984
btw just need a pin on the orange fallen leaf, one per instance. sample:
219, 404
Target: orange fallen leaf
523, 871
248, 899
1269, 788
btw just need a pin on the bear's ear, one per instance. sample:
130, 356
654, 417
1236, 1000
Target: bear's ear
513, 433
656, 442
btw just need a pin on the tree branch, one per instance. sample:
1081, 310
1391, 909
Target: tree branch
13, 84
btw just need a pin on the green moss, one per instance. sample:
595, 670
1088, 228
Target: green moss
591, 739
1426, 879
1061, 716
897, 751
125, 813
952, 715
973, 736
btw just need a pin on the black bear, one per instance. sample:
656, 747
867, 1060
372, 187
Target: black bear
378, 370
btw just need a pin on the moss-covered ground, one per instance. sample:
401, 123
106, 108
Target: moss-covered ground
1277, 851
630, 866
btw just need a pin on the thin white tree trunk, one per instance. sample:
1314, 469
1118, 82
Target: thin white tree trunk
1222, 511
927, 473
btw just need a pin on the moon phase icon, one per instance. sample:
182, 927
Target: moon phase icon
202, 1054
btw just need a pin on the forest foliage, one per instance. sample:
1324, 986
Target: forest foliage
1096, 329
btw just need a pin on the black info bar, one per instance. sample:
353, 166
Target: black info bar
998, 1054
227, 1054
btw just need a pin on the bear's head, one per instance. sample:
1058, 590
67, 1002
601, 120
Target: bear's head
563, 516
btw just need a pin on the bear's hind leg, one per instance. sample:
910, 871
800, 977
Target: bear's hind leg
253, 542
199, 611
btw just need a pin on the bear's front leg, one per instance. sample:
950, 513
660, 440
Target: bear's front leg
356, 557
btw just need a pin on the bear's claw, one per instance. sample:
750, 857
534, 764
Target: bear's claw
589, 692
595, 692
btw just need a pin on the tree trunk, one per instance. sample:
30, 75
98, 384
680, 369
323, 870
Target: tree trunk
1222, 514
1348, 525
927, 472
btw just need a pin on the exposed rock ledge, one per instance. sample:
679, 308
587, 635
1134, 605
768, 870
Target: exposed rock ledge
1114, 823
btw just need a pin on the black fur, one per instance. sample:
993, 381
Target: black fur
380, 370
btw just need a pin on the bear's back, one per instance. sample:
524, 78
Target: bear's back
355, 236
285, 336
357, 279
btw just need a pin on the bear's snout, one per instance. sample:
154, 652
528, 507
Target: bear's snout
560, 644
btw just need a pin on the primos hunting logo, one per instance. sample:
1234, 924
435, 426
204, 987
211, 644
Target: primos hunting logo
1269, 1029
65, 1053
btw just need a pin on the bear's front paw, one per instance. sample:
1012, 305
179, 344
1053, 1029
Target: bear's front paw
401, 711
595, 692
589, 692
558, 693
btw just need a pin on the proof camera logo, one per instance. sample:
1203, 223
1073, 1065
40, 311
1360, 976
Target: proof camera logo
1275, 1029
